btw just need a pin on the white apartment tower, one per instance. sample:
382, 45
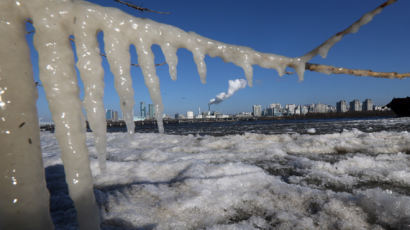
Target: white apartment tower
355, 106
190, 115
257, 110
367, 105
341, 106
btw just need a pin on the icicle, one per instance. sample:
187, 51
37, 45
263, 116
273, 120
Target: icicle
117, 50
24, 198
146, 60
300, 70
58, 76
171, 57
248, 69
200, 63
92, 75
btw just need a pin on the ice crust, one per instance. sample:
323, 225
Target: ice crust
348, 180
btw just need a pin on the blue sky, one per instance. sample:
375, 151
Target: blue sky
289, 28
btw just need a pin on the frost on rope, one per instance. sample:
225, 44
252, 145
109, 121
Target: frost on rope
323, 49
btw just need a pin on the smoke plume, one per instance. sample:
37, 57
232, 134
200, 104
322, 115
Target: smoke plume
234, 85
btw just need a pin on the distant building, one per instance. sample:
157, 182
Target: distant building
143, 110
312, 108
257, 110
138, 118
275, 105
190, 115
111, 115
380, 108
244, 114
298, 110
304, 110
273, 112
179, 116
341, 106
320, 108
355, 106
367, 105
209, 115
221, 115
331, 109
151, 111
290, 109
268, 112
301, 110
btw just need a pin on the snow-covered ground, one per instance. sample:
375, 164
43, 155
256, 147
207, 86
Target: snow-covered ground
346, 180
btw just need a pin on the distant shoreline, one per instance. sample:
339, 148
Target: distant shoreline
309, 116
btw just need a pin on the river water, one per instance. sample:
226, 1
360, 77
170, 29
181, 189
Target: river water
312, 126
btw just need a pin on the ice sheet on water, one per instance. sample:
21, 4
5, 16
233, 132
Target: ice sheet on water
346, 180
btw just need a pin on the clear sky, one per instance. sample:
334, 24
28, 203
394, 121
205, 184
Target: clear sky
289, 28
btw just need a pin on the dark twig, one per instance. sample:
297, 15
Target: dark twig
142, 9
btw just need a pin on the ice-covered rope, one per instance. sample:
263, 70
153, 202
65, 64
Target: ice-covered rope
327, 69
55, 21
323, 48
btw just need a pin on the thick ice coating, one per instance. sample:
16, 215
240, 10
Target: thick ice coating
323, 49
21, 206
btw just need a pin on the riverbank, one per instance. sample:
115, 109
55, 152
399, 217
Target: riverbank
310, 116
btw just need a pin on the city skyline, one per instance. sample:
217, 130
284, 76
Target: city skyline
272, 27
365, 105
340, 106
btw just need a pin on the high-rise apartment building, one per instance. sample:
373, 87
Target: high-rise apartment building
341, 106
257, 110
355, 106
321, 108
367, 105
111, 115
290, 109
190, 115
151, 111
143, 110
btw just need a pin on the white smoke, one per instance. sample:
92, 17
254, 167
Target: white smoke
234, 85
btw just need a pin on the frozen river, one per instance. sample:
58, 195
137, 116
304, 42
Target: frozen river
335, 174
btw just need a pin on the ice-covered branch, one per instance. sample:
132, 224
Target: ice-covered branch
323, 48
327, 69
